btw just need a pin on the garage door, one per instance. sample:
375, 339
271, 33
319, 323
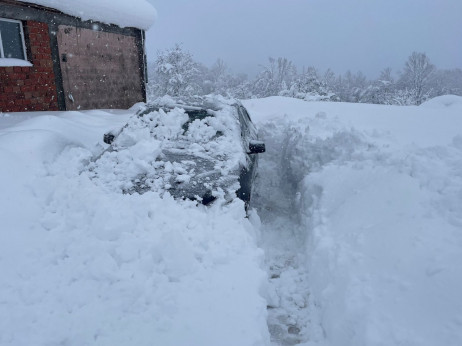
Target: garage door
99, 69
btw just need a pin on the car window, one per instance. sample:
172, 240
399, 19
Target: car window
245, 114
248, 130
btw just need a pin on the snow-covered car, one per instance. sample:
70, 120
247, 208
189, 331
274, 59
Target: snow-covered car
199, 148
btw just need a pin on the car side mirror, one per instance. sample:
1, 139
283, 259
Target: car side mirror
108, 138
256, 147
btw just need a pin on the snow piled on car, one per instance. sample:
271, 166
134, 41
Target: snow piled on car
140, 158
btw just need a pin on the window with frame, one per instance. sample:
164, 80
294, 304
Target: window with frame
12, 39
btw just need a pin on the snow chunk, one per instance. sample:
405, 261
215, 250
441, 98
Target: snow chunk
135, 13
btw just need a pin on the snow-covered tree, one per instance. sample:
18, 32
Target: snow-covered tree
221, 80
176, 73
350, 87
443, 82
243, 88
386, 75
403, 97
416, 75
309, 86
329, 79
218, 71
382, 90
275, 77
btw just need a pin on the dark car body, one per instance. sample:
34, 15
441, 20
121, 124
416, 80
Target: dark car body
214, 153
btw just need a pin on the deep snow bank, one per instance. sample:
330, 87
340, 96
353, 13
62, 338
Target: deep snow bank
378, 190
82, 264
452, 101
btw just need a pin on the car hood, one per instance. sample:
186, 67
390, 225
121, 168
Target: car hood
197, 177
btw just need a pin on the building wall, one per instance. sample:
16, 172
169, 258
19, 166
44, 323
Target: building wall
119, 73
30, 88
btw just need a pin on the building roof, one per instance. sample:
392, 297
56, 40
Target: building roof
124, 13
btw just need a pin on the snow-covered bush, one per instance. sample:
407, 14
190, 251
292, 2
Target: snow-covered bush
309, 87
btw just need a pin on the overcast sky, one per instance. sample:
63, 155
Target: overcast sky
356, 35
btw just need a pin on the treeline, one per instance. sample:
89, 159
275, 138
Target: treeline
176, 73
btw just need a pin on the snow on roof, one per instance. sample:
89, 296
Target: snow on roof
134, 13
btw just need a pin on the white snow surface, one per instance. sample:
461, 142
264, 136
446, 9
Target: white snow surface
134, 13
7, 62
357, 220
376, 196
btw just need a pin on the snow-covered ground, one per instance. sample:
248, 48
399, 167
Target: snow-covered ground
355, 238
82, 264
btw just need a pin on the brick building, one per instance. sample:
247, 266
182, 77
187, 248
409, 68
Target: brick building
51, 60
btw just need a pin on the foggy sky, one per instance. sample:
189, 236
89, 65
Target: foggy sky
356, 35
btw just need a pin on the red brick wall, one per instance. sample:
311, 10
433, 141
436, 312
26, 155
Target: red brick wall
30, 88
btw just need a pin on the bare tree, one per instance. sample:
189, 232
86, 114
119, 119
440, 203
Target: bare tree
386, 75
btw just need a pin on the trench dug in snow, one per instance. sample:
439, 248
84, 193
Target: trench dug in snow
285, 209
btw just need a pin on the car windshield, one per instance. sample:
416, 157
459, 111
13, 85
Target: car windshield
196, 114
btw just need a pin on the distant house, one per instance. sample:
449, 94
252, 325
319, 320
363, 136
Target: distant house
71, 55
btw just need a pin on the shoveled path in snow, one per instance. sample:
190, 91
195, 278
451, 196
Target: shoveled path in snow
283, 239
296, 148
288, 292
